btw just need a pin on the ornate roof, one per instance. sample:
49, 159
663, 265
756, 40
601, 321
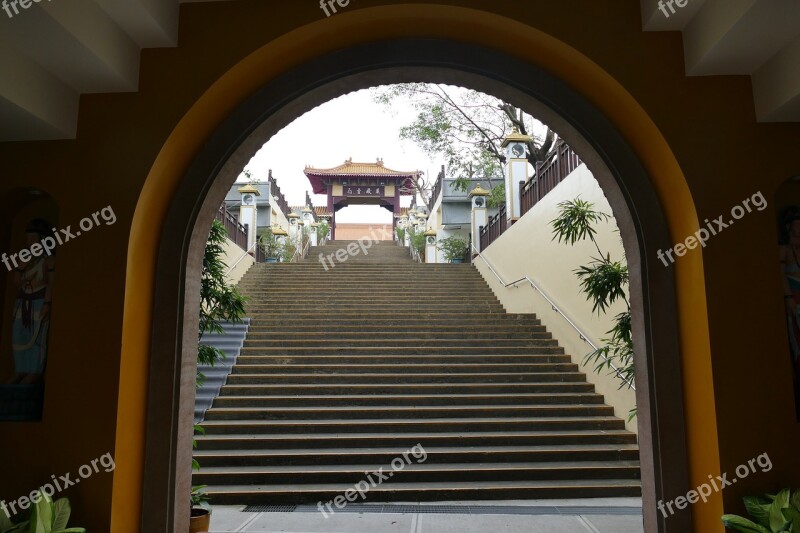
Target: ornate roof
349, 169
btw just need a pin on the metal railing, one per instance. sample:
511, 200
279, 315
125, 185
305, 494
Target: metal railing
496, 226
245, 254
555, 308
561, 162
301, 252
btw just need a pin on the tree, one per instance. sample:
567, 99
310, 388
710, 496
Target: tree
604, 282
466, 128
219, 302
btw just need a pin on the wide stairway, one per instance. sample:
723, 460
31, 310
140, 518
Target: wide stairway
343, 371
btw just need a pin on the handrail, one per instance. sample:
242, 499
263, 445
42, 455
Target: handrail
301, 252
252, 248
555, 308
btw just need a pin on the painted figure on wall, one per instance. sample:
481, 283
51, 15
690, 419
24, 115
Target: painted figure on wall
22, 397
789, 257
34, 281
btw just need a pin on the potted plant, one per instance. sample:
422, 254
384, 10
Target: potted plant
454, 248
772, 514
270, 244
46, 516
200, 520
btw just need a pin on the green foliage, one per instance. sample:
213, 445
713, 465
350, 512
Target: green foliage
401, 235
269, 242
323, 230
466, 128
497, 196
289, 249
603, 282
771, 514
417, 240
198, 430
575, 221
250, 179
198, 497
46, 516
454, 247
219, 302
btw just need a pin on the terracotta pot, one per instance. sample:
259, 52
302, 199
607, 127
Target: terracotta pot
200, 521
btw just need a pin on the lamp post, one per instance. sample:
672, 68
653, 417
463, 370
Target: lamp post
479, 214
431, 254
516, 146
248, 212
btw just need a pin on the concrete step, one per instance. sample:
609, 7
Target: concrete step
549, 391
429, 491
380, 375
413, 425
245, 359
429, 349
279, 334
407, 440
414, 344
368, 322
438, 411
348, 365
224, 474
553, 381
417, 399
419, 326
435, 455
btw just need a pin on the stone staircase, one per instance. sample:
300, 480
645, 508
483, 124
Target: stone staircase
344, 370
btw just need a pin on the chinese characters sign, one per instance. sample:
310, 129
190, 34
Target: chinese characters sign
363, 190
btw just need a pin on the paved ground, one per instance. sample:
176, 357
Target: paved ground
227, 519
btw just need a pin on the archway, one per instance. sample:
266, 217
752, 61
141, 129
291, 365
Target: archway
616, 165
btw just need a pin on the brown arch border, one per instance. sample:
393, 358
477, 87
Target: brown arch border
624, 181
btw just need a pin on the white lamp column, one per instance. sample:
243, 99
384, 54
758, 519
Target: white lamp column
294, 226
313, 234
403, 224
479, 215
516, 146
248, 213
430, 246
280, 237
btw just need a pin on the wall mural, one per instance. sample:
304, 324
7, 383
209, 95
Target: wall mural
789, 257
32, 273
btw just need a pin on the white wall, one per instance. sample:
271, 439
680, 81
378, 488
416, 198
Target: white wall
434, 223
527, 249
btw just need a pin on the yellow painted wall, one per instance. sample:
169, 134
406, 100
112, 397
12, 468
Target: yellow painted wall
527, 249
237, 260
690, 134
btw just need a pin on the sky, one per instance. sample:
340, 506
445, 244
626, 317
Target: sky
348, 126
